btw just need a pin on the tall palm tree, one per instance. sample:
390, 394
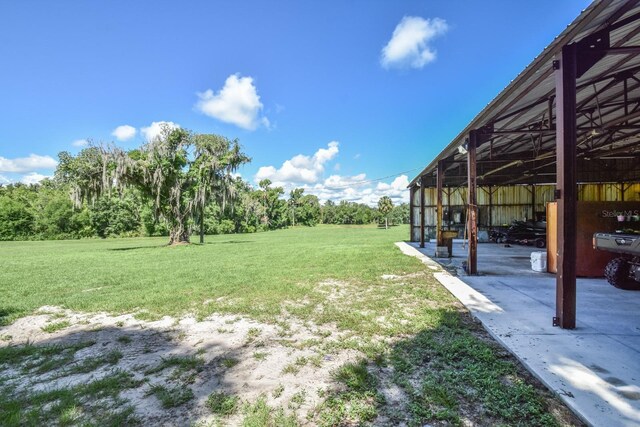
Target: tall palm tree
385, 205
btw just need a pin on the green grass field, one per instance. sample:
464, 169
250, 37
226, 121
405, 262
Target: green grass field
412, 334
143, 274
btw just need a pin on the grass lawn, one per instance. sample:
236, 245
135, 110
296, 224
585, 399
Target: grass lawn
422, 360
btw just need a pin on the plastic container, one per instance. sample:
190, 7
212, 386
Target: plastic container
539, 261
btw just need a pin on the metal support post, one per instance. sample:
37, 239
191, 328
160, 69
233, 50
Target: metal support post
440, 178
423, 180
412, 203
472, 217
566, 187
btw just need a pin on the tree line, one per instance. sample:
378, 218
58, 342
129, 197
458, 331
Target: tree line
176, 185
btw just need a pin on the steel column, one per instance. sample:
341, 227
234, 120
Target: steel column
566, 187
439, 181
533, 203
472, 217
423, 180
412, 196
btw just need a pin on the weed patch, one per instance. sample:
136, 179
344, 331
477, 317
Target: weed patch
56, 326
170, 397
222, 403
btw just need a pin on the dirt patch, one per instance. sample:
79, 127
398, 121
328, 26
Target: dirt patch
283, 363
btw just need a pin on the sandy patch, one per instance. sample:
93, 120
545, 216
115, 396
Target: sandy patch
237, 355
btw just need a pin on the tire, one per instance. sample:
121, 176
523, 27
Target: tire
540, 243
617, 274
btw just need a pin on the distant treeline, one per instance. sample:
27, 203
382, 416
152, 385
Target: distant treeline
45, 211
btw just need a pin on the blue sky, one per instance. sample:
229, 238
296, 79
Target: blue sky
321, 94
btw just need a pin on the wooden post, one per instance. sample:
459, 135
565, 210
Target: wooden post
472, 217
440, 178
566, 186
423, 180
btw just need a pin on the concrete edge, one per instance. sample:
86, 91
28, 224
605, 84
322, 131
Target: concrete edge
463, 293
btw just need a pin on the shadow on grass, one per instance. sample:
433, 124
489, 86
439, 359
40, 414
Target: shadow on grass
230, 242
451, 374
118, 375
134, 248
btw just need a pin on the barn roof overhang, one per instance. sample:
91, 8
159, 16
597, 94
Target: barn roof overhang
517, 134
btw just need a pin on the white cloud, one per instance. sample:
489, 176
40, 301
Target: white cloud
33, 178
306, 172
409, 45
152, 131
124, 132
80, 143
27, 164
358, 189
4, 180
300, 168
237, 103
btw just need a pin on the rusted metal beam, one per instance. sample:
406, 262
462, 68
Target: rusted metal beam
423, 182
472, 216
440, 180
523, 131
565, 67
634, 50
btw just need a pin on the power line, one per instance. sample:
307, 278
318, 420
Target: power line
369, 181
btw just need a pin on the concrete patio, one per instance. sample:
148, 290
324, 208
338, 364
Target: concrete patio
594, 368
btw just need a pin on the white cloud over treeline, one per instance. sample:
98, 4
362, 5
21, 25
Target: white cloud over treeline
307, 171
25, 169
26, 164
124, 132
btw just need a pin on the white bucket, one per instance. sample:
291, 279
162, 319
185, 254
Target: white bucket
539, 261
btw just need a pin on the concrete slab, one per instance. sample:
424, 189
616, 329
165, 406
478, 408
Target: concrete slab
594, 369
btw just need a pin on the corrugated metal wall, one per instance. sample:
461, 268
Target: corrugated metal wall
507, 203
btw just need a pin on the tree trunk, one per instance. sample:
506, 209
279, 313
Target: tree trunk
386, 223
178, 235
202, 227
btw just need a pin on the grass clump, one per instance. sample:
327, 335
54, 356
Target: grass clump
356, 402
56, 326
260, 355
229, 362
41, 359
171, 397
278, 391
181, 364
451, 367
259, 414
124, 339
90, 364
222, 403
78, 405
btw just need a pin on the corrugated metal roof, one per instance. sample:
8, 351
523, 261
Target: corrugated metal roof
524, 105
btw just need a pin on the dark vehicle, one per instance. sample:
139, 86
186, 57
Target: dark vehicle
624, 271
498, 235
527, 233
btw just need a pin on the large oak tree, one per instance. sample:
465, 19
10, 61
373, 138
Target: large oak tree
178, 171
